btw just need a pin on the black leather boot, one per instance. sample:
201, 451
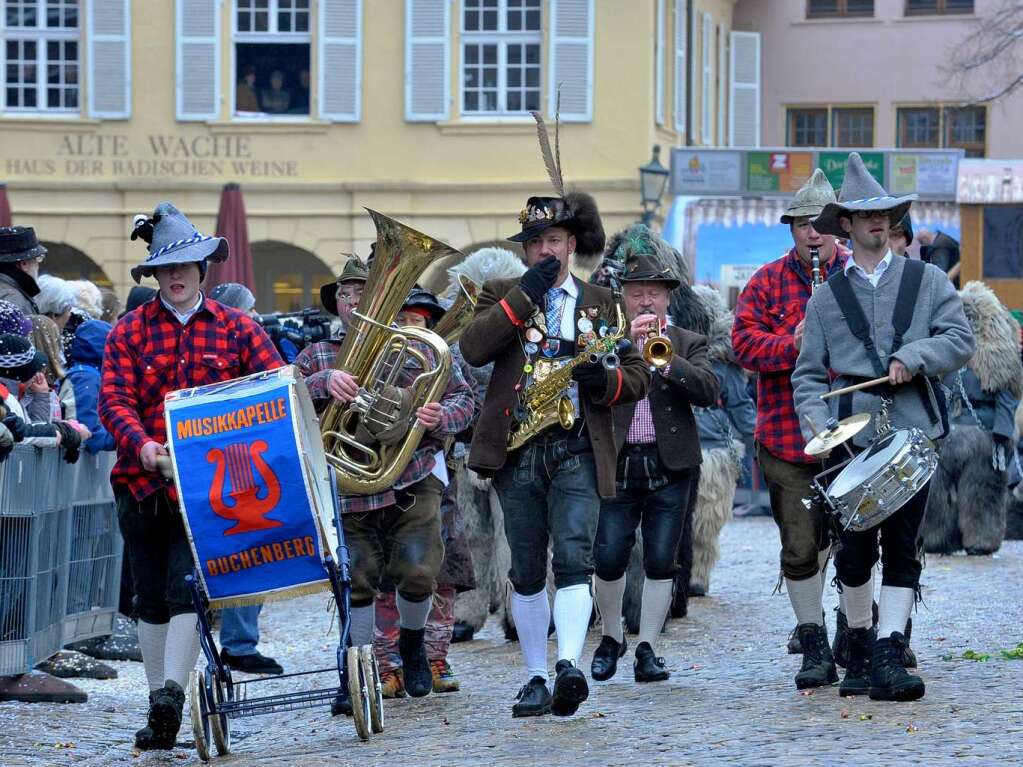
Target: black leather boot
818, 668
412, 649
648, 667
146, 739
165, 706
908, 656
533, 699
859, 643
605, 658
570, 689
888, 679
840, 645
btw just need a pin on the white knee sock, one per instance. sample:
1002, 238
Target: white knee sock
805, 596
182, 648
153, 643
609, 595
656, 600
413, 615
572, 608
893, 609
859, 604
822, 569
532, 616
362, 622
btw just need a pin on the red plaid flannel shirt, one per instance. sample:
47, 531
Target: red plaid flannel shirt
149, 353
769, 308
316, 362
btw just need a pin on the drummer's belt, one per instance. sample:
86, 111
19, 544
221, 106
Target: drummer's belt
929, 391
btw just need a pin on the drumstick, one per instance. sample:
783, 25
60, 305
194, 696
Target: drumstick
855, 387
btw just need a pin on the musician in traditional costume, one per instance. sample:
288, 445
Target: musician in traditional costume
534, 329
879, 315
397, 531
767, 334
658, 448
179, 340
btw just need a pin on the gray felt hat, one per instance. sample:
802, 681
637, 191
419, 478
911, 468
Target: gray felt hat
174, 240
860, 191
810, 199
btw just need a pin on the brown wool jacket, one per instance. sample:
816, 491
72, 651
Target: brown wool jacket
688, 381
493, 336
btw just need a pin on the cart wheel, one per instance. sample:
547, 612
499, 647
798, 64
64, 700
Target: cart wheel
359, 693
220, 724
374, 687
200, 722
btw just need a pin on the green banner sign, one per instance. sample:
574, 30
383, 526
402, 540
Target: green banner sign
833, 165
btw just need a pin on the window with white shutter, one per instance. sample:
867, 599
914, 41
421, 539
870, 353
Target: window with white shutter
706, 104
571, 59
659, 64
427, 60
40, 57
681, 17
340, 63
744, 101
501, 44
720, 78
110, 59
197, 71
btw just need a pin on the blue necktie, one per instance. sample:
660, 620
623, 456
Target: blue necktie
555, 304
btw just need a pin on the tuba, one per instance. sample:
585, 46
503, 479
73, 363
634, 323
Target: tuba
376, 353
457, 318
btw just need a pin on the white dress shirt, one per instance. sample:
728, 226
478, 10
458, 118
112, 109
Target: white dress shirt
874, 277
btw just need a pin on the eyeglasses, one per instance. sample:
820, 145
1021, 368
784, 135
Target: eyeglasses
865, 215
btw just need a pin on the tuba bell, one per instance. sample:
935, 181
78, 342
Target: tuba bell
457, 318
376, 353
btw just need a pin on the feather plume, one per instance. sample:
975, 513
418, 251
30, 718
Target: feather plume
551, 159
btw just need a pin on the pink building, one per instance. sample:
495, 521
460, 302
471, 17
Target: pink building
869, 73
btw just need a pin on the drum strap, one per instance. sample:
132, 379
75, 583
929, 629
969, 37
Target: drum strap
905, 303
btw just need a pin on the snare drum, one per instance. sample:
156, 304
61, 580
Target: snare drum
253, 486
884, 477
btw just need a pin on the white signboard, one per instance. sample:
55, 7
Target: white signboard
698, 172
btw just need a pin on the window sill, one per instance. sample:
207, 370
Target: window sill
912, 17
62, 123
838, 20
250, 125
487, 127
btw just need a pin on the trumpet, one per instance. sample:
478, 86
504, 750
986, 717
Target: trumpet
657, 348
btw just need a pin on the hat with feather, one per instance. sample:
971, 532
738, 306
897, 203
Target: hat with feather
860, 192
575, 211
173, 239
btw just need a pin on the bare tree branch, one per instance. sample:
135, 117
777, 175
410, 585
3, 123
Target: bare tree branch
987, 65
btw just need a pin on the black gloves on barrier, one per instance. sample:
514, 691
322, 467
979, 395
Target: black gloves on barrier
539, 278
70, 440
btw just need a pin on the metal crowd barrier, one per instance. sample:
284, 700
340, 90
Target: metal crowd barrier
60, 554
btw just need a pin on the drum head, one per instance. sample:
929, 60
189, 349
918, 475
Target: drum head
869, 463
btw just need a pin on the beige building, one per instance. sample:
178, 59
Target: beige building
872, 73
318, 108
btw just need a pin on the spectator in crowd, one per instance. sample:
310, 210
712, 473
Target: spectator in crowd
300, 99
88, 297
245, 99
137, 296
79, 392
67, 335
20, 256
56, 299
111, 305
900, 236
46, 338
275, 99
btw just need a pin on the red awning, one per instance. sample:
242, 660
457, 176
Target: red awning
5, 207
231, 224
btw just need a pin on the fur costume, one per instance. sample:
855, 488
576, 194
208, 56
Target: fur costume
966, 508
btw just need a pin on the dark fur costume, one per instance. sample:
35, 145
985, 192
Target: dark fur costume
966, 508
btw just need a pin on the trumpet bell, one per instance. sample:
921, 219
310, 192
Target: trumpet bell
657, 351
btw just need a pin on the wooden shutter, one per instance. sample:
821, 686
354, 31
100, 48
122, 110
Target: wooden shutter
109, 80
706, 105
681, 17
744, 99
427, 60
340, 60
659, 64
197, 26
571, 59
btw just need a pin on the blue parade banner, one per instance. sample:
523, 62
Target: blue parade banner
243, 487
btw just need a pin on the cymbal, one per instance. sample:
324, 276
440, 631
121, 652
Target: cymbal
828, 439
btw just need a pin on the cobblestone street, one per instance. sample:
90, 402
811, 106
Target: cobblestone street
731, 699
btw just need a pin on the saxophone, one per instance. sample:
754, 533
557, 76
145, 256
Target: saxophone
546, 402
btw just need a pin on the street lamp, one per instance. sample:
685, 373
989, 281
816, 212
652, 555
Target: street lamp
653, 177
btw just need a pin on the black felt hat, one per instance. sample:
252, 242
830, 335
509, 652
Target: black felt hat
19, 243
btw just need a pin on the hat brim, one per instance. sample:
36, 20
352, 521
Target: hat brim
828, 221
436, 310
23, 255
669, 282
24, 373
539, 228
328, 297
214, 249
804, 211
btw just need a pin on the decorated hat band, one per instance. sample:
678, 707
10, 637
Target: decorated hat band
18, 359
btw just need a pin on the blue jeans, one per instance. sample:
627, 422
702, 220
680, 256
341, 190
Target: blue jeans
548, 492
651, 496
239, 629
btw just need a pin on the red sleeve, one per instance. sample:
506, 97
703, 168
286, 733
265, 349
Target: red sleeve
757, 346
118, 401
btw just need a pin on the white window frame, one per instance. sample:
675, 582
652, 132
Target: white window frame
271, 36
501, 38
41, 35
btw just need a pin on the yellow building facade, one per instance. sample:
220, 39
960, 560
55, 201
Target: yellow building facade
319, 108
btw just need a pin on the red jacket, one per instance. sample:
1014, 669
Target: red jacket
769, 308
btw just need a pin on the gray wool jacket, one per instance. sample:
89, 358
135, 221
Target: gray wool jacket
937, 342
